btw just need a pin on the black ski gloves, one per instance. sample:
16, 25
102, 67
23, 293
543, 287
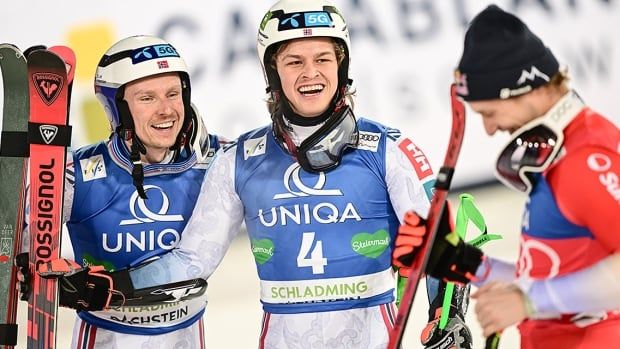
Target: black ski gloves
451, 259
454, 260
86, 288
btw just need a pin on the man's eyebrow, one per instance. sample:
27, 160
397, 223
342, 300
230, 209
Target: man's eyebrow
297, 56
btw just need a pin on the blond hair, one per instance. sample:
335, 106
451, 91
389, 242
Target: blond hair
560, 80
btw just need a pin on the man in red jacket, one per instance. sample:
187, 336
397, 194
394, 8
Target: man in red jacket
563, 290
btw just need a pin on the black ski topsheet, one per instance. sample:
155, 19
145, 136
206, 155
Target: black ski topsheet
442, 186
156, 295
49, 136
13, 167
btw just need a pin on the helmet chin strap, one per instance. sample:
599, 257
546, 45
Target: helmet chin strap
187, 133
283, 135
279, 126
126, 131
137, 173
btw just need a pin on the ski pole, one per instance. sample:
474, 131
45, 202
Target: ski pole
442, 186
466, 212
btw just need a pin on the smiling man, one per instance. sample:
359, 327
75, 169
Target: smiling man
127, 199
322, 194
156, 105
563, 290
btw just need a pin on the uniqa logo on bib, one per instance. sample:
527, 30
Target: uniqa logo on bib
322, 213
145, 240
292, 176
149, 216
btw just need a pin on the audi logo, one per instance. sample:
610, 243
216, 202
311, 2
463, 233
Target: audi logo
369, 137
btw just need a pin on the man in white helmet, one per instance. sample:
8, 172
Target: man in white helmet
128, 199
321, 194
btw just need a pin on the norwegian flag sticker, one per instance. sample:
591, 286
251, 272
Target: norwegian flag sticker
162, 64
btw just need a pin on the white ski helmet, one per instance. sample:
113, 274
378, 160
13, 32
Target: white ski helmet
131, 59
294, 19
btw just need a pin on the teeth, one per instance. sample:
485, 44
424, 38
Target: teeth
311, 88
164, 125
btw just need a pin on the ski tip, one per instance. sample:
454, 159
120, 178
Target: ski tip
11, 48
67, 55
33, 48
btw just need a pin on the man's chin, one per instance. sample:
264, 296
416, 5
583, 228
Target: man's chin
312, 112
159, 145
163, 138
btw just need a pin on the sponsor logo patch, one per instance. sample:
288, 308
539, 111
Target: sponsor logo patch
371, 245
531, 75
88, 260
48, 86
429, 189
262, 250
602, 164
369, 141
6, 246
143, 214
48, 133
93, 168
254, 147
417, 158
152, 52
300, 189
304, 20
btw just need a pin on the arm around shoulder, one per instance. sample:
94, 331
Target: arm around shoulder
215, 221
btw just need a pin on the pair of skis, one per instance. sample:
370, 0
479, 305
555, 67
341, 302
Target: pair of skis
438, 203
13, 157
35, 118
37, 92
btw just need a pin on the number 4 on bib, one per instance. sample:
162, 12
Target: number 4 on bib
316, 260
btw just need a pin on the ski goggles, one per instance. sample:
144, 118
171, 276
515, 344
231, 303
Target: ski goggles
534, 146
323, 150
530, 152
